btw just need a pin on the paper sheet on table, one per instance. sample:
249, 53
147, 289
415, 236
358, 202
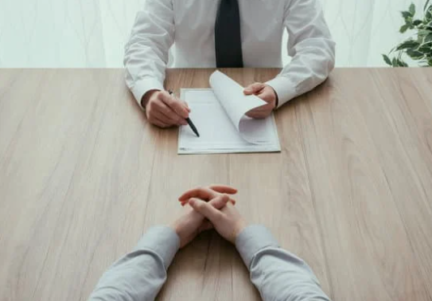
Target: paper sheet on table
219, 115
236, 104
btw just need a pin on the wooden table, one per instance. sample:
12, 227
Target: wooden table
82, 175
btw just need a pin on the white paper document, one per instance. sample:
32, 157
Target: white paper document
219, 114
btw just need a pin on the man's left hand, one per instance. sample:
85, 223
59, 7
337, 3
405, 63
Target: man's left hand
190, 222
267, 94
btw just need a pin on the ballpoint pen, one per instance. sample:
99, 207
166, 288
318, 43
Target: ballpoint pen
188, 120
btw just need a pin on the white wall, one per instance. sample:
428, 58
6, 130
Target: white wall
92, 33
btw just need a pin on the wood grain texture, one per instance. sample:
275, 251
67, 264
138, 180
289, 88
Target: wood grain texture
83, 175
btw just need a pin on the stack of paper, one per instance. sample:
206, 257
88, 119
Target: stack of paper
219, 115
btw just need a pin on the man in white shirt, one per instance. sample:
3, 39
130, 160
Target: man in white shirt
276, 273
226, 33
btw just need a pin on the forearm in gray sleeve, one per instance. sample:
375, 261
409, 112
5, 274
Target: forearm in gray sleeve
276, 273
139, 275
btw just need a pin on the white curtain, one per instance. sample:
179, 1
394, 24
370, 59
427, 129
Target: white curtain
92, 33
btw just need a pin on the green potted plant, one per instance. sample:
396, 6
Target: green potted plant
419, 46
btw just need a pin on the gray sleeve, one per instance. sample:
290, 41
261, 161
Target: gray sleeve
139, 275
276, 273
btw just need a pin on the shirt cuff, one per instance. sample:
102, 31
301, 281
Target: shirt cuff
163, 241
253, 239
142, 86
284, 88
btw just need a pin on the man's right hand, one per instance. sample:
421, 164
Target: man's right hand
227, 221
164, 110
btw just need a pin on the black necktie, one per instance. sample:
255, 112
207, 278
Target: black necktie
228, 36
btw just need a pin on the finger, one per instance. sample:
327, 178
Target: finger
170, 114
260, 112
176, 105
232, 201
206, 209
220, 201
216, 202
266, 95
205, 193
163, 118
201, 193
187, 106
158, 122
263, 109
258, 115
223, 189
254, 88
207, 225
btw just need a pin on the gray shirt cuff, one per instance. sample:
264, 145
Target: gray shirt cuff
163, 241
253, 239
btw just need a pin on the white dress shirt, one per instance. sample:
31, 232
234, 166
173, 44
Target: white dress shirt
189, 26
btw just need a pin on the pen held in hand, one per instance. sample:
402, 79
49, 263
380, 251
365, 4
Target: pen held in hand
192, 126
188, 120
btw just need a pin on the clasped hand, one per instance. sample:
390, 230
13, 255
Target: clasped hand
207, 208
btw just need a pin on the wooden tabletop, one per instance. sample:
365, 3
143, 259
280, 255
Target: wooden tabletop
83, 175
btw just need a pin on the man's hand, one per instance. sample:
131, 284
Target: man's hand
207, 193
227, 221
191, 222
164, 110
267, 94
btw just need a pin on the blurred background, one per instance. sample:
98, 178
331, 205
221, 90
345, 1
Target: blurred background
92, 33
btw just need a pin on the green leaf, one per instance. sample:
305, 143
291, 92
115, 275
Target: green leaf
425, 6
417, 22
406, 14
404, 28
387, 60
428, 38
426, 48
414, 54
394, 62
428, 14
422, 33
408, 44
412, 9
401, 63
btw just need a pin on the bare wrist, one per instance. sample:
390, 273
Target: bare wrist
176, 227
241, 225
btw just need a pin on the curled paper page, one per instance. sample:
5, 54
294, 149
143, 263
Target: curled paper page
236, 104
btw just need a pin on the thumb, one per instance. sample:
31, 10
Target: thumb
186, 105
254, 88
206, 209
220, 201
